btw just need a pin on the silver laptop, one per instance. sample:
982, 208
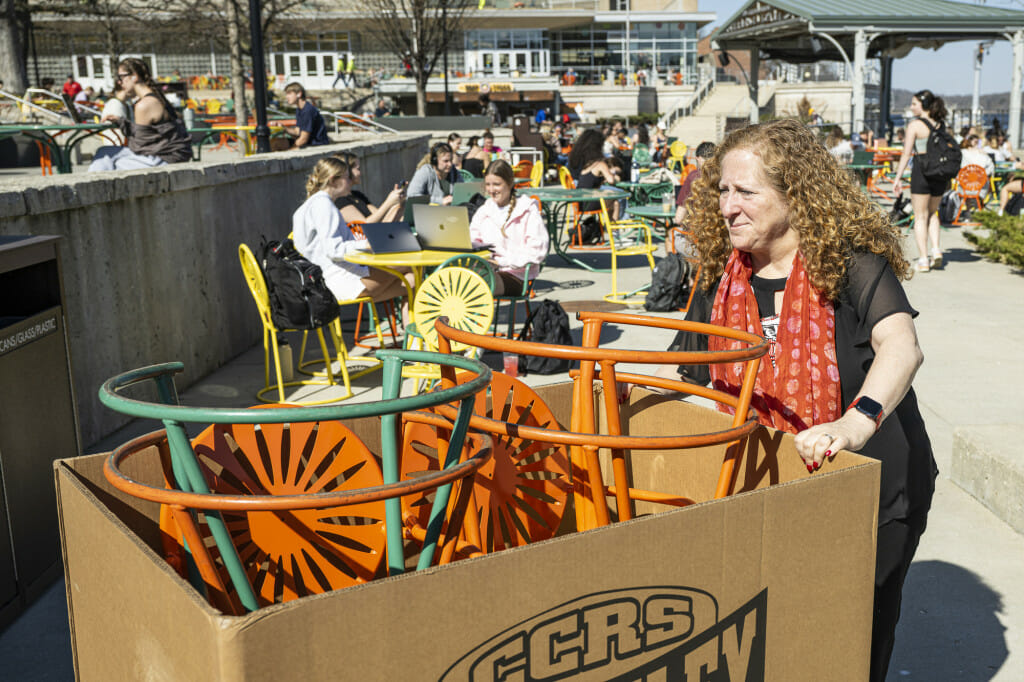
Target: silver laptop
443, 228
391, 237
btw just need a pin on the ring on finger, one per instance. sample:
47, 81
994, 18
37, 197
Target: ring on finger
827, 435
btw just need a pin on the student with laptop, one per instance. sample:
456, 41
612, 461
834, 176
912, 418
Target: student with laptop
512, 226
435, 176
321, 235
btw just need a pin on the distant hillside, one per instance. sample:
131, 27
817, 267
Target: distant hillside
999, 101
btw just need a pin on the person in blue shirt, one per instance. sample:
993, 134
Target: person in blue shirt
309, 129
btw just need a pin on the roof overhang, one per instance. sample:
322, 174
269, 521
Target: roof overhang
790, 31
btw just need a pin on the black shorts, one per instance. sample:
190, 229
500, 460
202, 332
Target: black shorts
919, 184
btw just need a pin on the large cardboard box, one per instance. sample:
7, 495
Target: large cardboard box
773, 583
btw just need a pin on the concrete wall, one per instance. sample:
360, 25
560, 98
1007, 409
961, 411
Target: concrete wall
150, 258
831, 99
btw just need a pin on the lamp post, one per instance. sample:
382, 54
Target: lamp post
444, 37
259, 78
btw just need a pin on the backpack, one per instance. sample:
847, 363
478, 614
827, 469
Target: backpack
299, 297
670, 284
1014, 205
900, 210
942, 155
547, 323
590, 230
949, 204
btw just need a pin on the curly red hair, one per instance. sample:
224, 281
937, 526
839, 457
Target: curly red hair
829, 212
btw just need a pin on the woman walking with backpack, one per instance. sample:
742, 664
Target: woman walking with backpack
925, 189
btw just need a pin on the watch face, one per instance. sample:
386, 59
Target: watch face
868, 406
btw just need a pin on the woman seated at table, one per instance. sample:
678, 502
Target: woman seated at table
817, 274
356, 206
156, 137
322, 236
475, 160
433, 178
591, 169
511, 226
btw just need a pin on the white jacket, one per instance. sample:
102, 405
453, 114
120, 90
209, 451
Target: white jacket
322, 236
525, 240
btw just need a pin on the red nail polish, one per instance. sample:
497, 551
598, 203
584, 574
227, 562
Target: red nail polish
817, 466
810, 469
828, 453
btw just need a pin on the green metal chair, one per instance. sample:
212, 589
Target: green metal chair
471, 262
466, 176
289, 495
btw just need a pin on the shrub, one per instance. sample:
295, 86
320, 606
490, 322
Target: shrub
1005, 240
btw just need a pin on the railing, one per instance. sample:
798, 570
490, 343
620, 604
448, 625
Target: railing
28, 109
690, 105
356, 121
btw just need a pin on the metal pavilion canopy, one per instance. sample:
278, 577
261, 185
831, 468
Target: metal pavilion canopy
857, 30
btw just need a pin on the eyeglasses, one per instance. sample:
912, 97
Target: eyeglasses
122, 76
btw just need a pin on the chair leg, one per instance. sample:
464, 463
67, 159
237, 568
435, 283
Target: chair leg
277, 366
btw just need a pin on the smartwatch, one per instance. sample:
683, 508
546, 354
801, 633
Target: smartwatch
868, 407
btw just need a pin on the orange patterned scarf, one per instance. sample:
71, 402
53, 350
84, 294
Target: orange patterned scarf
803, 387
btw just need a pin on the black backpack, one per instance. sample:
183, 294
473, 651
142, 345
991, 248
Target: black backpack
590, 230
670, 284
1014, 205
942, 155
949, 204
901, 210
299, 297
550, 324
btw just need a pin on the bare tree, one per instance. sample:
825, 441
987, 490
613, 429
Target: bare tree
228, 24
420, 31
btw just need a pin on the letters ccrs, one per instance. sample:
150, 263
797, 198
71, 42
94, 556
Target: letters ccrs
651, 633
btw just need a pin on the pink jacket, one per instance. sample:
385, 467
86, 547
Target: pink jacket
525, 240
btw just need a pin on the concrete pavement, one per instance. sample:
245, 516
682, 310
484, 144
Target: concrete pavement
963, 609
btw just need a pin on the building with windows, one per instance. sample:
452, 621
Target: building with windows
628, 43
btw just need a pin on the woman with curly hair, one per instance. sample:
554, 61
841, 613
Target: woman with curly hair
793, 251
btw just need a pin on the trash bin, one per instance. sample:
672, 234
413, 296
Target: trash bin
38, 422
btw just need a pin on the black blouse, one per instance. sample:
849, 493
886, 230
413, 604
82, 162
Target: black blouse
872, 293
357, 199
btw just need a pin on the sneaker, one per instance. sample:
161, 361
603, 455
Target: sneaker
922, 265
935, 262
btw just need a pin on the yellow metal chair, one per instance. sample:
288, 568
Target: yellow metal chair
258, 287
676, 155
457, 293
537, 174
641, 245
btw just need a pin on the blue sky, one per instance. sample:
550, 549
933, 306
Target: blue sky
947, 71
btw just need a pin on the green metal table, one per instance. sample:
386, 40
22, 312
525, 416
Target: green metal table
48, 134
555, 204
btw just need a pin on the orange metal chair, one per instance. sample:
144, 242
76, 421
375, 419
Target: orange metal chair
589, 491
577, 216
281, 502
971, 183
520, 495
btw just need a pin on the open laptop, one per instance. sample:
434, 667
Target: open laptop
464, 191
410, 202
394, 237
443, 228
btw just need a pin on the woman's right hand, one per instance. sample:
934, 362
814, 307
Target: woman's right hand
395, 196
897, 185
